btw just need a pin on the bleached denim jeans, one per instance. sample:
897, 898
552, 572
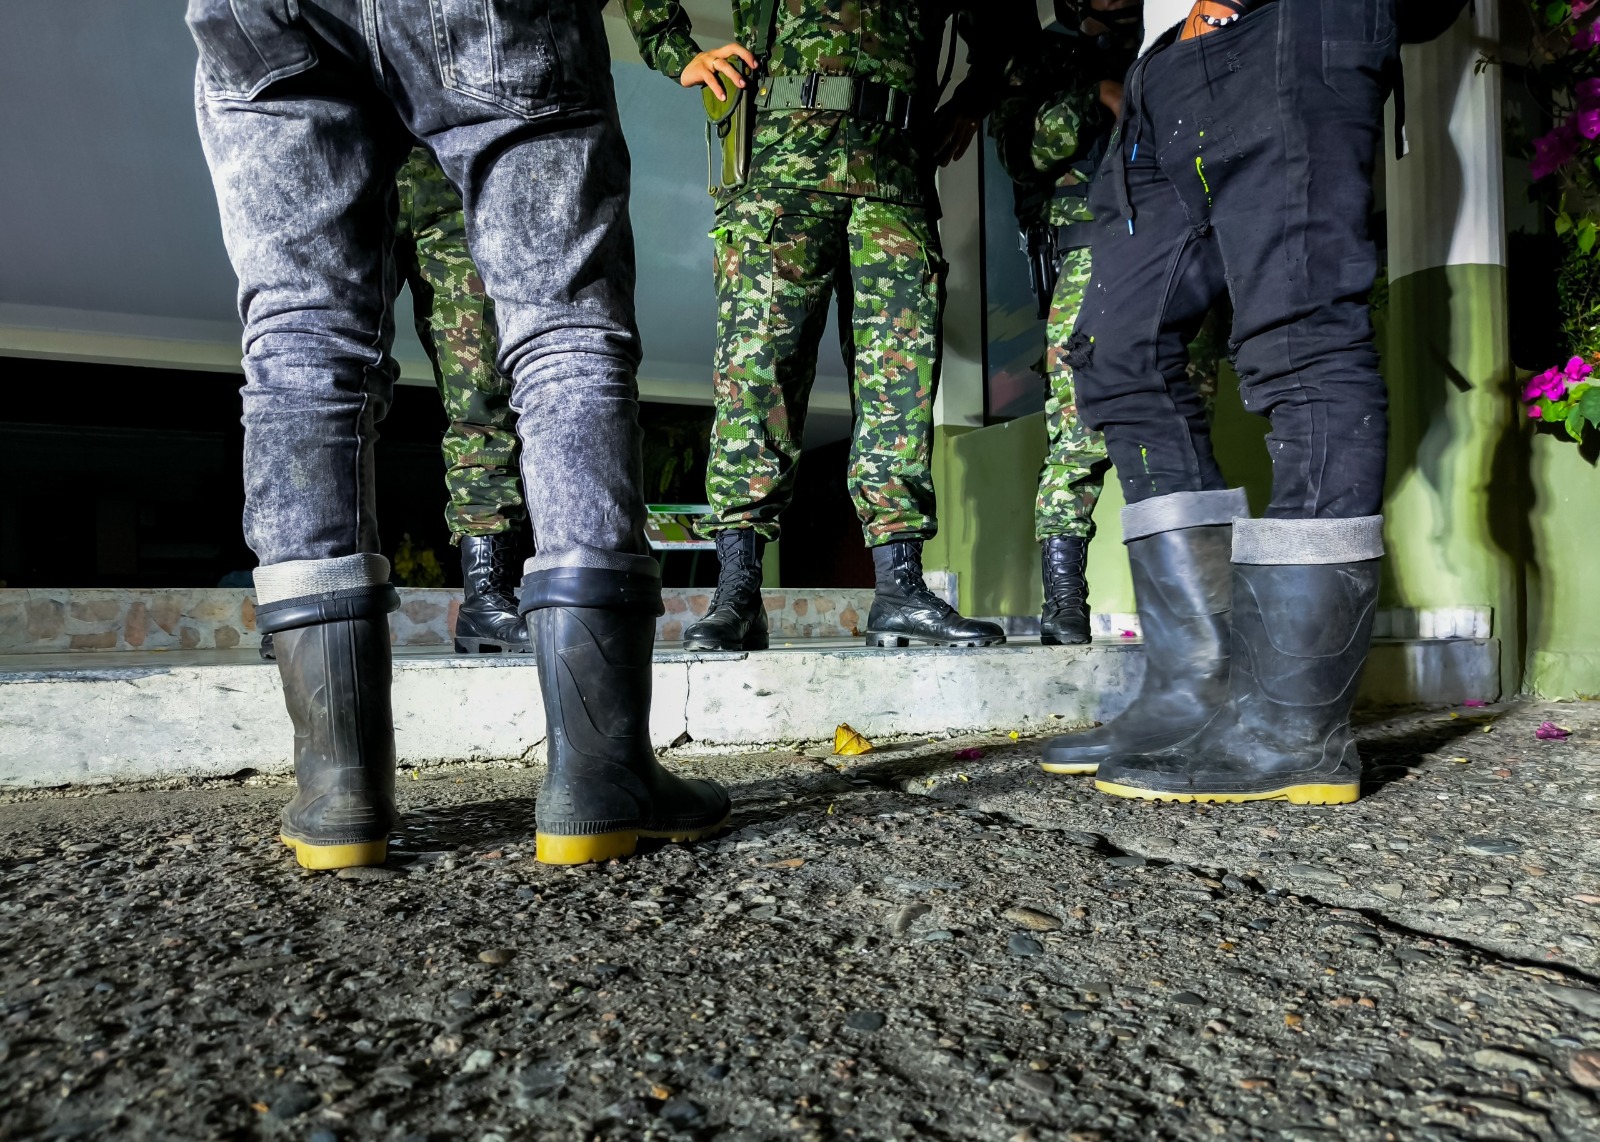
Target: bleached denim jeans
306, 113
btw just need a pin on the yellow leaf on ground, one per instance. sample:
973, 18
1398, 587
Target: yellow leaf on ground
848, 743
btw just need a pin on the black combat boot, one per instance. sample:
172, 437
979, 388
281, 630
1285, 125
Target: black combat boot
1301, 633
604, 788
488, 622
904, 609
336, 675
1065, 620
1182, 583
736, 619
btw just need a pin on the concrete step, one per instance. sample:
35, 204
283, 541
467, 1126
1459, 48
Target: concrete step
139, 716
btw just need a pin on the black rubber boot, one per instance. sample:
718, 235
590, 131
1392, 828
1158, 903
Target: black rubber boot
488, 622
904, 609
605, 789
1183, 582
1301, 633
1065, 620
336, 685
737, 618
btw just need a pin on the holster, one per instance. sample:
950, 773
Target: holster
730, 135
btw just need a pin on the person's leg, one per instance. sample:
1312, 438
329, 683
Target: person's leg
303, 168
1148, 293
455, 320
1073, 473
775, 259
1292, 211
524, 122
1286, 163
897, 280
480, 447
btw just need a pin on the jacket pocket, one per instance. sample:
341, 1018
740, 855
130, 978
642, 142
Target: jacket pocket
506, 52
246, 47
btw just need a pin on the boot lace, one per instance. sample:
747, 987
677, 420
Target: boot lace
1067, 587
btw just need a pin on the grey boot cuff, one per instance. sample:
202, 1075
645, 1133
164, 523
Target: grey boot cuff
1281, 541
306, 578
1179, 510
596, 558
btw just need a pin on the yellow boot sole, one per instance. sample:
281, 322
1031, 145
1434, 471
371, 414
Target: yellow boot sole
327, 857
550, 848
1313, 794
1081, 770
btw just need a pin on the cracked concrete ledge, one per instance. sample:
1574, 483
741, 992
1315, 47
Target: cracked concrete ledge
150, 717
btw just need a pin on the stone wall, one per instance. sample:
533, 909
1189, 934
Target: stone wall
90, 619
93, 619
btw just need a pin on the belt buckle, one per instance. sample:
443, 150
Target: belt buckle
808, 90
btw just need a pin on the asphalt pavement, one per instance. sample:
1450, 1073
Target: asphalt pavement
932, 940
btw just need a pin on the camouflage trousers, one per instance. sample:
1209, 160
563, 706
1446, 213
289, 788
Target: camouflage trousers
455, 323
1075, 465
780, 257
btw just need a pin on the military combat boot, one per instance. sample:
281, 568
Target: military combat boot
488, 622
736, 619
1182, 582
329, 622
605, 789
904, 609
1304, 593
1065, 619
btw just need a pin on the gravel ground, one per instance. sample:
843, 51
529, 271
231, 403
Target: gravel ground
934, 940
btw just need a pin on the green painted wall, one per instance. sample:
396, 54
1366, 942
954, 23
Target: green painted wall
1455, 531
1478, 513
1563, 568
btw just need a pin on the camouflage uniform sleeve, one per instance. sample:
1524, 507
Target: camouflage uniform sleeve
661, 29
1063, 122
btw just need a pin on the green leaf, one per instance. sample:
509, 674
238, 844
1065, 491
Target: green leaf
1564, 220
1574, 424
1586, 235
1589, 406
1575, 393
1556, 14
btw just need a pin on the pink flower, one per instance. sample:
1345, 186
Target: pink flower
1550, 732
1550, 384
1588, 121
1588, 91
1553, 151
1535, 412
1588, 36
1576, 369
1579, 7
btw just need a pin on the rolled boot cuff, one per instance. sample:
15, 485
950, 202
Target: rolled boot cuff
307, 578
595, 587
1179, 510
306, 592
581, 556
1308, 541
373, 602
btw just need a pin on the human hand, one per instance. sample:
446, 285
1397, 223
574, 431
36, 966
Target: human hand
704, 69
953, 132
1111, 96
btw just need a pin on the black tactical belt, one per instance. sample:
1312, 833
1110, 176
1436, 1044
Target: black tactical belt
1073, 236
858, 98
